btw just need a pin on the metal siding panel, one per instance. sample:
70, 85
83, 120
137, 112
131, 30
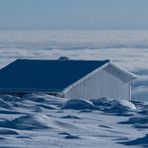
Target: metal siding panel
101, 84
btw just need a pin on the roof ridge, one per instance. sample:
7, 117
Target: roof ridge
107, 60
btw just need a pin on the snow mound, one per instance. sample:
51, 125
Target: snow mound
78, 104
140, 122
26, 122
69, 135
44, 106
118, 107
8, 132
102, 103
123, 104
9, 98
35, 97
44, 98
106, 103
70, 117
139, 141
4, 104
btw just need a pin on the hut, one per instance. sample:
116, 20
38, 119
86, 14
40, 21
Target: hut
66, 78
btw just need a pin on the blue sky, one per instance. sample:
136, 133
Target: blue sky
73, 14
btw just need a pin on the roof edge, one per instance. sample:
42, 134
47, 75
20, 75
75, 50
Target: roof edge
19, 59
133, 76
9, 64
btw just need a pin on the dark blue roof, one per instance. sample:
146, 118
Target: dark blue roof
44, 75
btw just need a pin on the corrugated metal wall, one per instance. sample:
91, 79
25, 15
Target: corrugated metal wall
102, 84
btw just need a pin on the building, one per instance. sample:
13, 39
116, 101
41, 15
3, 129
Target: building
66, 78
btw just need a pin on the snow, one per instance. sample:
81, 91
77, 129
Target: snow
113, 105
41, 120
143, 141
124, 104
78, 104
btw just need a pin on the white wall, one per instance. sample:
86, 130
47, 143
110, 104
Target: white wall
102, 84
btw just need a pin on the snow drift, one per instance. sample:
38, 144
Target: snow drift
78, 104
57, 122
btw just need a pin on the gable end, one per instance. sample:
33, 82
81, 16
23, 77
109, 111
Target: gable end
113, 69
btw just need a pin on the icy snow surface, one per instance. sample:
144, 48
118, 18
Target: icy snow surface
40, 120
